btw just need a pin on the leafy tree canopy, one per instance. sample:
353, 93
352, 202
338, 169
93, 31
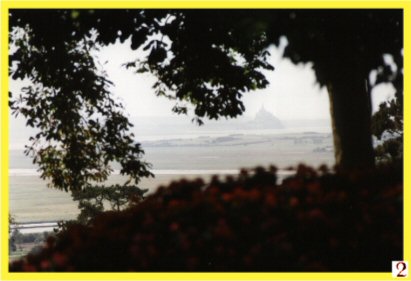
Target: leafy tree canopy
388, 121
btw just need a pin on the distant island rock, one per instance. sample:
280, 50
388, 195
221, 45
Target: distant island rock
265, 120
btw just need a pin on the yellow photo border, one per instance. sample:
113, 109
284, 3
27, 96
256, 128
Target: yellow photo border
106, 4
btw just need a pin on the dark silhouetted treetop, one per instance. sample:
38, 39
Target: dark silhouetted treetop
339, 38
82, 128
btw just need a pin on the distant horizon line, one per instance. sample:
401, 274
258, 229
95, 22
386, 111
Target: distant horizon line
34, 172
223, 118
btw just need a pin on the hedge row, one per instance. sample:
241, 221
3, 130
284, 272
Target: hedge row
315, 220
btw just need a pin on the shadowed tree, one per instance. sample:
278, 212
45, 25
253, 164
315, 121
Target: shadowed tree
207, 58
344, 45
82, 129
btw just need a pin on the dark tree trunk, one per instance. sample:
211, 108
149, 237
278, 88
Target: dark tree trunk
350, 105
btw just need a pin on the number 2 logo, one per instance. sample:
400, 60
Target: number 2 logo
400, 269
401, 266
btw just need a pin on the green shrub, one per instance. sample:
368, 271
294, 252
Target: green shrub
315, 220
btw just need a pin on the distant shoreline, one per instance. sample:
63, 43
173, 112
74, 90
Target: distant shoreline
34, 172
34, 227
147, 138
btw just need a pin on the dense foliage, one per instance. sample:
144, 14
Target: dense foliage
388, 121
312, 221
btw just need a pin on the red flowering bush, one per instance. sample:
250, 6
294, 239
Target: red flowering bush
312, 221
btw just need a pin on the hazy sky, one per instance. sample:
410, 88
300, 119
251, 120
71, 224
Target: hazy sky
292, 94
